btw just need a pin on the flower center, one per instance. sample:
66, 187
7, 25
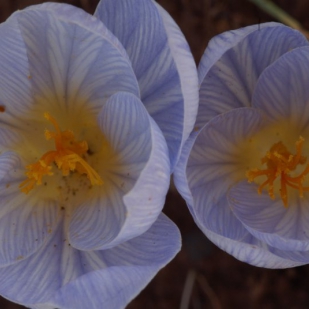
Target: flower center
68, 157
280, 163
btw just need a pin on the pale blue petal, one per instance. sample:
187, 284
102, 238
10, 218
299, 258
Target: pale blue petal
8, 137
60, 276
71, 65
285, 228
71, 14
15, 94
25, 221
282, 90
139, 27
221, 43
252, 251
137, 182
10, 165
37, 278
233, 63
180, 174
97, 222
212, 166
162, 63
130, 267
187, 72
301, 257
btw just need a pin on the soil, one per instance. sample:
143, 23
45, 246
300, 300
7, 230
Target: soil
219, 280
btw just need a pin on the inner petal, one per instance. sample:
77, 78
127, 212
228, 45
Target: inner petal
266, 219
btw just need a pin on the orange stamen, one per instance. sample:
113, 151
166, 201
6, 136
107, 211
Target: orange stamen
67, 158
280, 163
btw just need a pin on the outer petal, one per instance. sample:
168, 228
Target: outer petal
282, 90
162, 63
203, 177
72, 14
70, 64
15, 94
63, 277
25, 222
130, 267
230, 68
252, 251
301, 257
187, 71
180, 173
268, 220
139, 179
221, 43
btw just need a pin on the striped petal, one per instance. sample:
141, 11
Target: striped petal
282, 90
221, 43
59, 276
162, 63
232, 64
71, 14
300, 257
130, 267
137, 180
15, 94
187, 70
252, 251
25, 221
180, 173
70, 64
213, 167
8, 137
285, 228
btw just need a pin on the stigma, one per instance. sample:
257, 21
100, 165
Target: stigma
68, 156
280, 163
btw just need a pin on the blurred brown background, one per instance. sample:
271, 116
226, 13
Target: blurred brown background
219, 280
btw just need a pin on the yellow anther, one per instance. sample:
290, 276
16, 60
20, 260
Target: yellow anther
67, 157
280, 163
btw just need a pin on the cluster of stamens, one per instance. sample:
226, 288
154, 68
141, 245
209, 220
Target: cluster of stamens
280, 163
68, 157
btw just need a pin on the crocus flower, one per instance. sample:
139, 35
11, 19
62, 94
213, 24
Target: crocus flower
244, 171
84, 169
